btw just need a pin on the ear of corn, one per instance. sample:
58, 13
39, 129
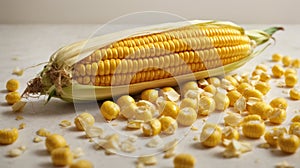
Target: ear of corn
131, 61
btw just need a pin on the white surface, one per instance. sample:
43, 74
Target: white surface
33, 44
95, 11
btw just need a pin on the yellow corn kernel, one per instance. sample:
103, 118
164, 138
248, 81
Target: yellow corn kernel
188, 102
169, 94
152, 127
262, 109
277, 116
252, 117
288, 143
295, 129
82, 164
277, 71
232, 80
264, 77
12, 97
129, 111
211, 135
296, 118
253, 129
296, 63
295, 94
263, 87
276, 57
192, 85
232, 119
233, 96
244, 86
252, 93
134, 124
150, 95
206, 105
279, 102
222, 101
61, 156
8, 136
12, 85
214, 81
210, 89
83, 120
257, 72
110, 110
286, 61
262, 67
290, 71
271, 136
291, 80
230, 133
54, 141
168, 125
143, 113
125, 101
184, 160
186, 116
170, 109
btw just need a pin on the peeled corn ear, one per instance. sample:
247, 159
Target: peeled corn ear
134, 60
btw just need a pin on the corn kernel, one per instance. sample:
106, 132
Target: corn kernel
230, 133
211, 135
187, 116
276, 57
8, 136
43, 132
296, 118
232, 80
134, 124
252, 93
214, 81
279, 102
210, 89
263, 87
291, 80
296, 63
233, 97
12, 85
264, 77
150, 95
222, 101
169, 94
12, 97
129, 111
110, 110
262, 67
143, 113
169, 109
206, 105
125, 101
277, 116
295, 129
253, 126
54, 141
83, 120
262, 109
152, 127
288, 143
295, 94
271, 136
168, 125
184, 160
286, 61
61, 156
82, 164
202, 83
232, 119
277, 71
192, 85
290, 71
188, 102
244, 86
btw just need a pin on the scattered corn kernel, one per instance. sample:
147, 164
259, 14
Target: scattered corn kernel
236, 148
262, 67
37, 139
291, 80
296, 118
43, 132
188, 102
18, 117
290, 71
152, 127
244, 86
295, 129
271, 136
170, 109
125, 100
276, 57
134, 124
232, 80
222, 101
61, 156
230, 133
277, 116
240, 104
262, 109
192, 85
54, 141
187, 116
184, 160
279, 102
214, 81
22, 126
232, 119
296, 63
150, 95
263, 87
84, 120
284, 164
233, 96
129, 111
277, 71
168, 125
264, 77
211, 135
16, 152
288, 143
65, 123
252, 93
8, 136
82, 164
206, 105
110, 110
169, 94
253, 127
93, 131
286, 61
18, 71
148, 160
154, 142
77, 152
295, 94
12, 98
210, 89
12, 85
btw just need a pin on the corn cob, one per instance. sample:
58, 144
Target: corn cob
134, 60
